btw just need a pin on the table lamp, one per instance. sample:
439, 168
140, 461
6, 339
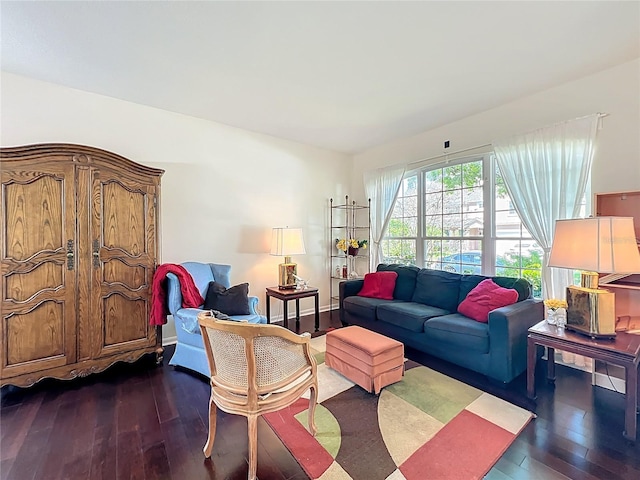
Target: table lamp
286, 242
594, 245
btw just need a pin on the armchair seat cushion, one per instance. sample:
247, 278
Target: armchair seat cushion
189, 319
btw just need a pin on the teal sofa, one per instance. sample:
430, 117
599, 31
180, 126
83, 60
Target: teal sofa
423, 315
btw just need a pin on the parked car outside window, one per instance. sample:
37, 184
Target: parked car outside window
469, 262
465, 262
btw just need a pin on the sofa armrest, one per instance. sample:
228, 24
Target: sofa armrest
508, 328
253, 305
174, 295
186, 320
348, 288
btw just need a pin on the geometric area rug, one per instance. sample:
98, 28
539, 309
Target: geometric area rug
427, 426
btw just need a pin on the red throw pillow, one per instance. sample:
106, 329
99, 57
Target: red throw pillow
379, 285
485, 297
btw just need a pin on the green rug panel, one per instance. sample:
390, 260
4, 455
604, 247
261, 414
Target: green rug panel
434, 393
329, 434
319, 357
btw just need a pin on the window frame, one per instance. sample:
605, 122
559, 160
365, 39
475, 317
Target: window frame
488, 237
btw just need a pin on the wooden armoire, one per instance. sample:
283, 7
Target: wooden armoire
79, 246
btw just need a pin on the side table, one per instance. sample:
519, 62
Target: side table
285, 296
623, 350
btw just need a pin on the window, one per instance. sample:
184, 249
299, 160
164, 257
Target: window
517, 253
399, 245
459, 218
453, 217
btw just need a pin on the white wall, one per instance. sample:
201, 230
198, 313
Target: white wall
223, 189
615, 91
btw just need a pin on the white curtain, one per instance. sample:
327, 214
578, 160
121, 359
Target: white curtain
382, 187
546, 173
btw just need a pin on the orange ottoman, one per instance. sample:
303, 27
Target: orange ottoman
367, 358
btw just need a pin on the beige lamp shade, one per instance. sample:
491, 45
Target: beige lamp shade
287, 242
599, 244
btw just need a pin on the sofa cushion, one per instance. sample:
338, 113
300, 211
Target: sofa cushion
406, 281
363, 307
437, 288
379, 285
231, 301
458, 331
469, 282
409, 315
485, 297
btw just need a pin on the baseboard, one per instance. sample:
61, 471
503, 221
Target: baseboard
609, 376
559, 361
169, 340
292, 313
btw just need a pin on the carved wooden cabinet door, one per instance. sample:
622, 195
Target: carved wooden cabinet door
123, 250
78, 249
38, 278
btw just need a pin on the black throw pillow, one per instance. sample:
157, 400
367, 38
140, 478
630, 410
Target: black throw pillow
232, 301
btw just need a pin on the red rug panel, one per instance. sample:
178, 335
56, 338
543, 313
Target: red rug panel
466, 447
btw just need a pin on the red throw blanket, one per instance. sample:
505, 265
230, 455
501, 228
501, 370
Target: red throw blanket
190, 294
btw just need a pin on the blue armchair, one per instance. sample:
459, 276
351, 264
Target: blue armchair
190, 351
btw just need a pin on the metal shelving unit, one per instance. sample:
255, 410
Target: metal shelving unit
348, 220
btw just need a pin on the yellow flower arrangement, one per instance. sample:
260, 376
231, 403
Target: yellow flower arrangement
344, 244
554, 303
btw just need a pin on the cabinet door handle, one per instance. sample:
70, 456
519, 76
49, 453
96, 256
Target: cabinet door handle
96, 254
70, 258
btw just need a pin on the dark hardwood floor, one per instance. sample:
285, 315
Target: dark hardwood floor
146, 422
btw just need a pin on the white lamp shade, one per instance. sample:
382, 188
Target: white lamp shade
600, 244
287, 242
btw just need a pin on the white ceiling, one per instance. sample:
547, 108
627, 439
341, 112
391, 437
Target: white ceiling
341, 75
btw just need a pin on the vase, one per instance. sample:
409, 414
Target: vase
561, 317
557, 317
353, 251
352, 268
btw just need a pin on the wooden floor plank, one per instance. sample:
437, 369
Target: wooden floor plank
58, 448
5, 468
18, 428
103, 452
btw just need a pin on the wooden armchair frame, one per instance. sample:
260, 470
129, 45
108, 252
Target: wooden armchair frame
256, 369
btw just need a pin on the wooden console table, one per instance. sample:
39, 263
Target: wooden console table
285, 296
623, 350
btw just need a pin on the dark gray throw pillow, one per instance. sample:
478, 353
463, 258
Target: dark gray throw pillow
232, 301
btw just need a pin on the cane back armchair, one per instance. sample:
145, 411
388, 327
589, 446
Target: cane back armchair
256, 369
